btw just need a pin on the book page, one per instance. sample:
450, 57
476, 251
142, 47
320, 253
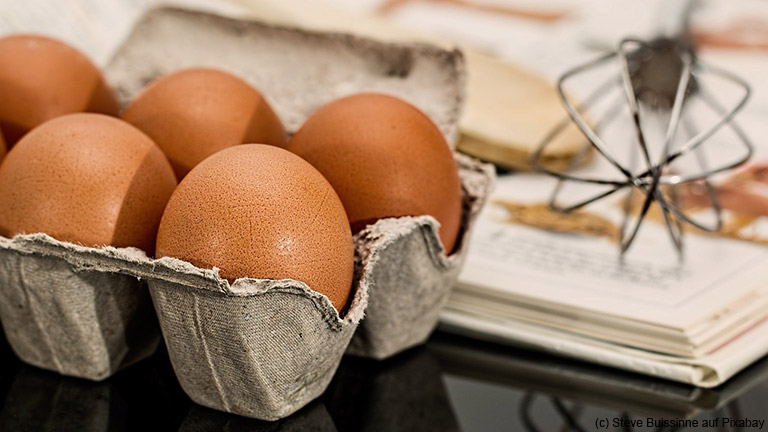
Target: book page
577, 271
522, 250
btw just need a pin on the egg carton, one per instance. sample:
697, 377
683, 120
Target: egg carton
415, 278
68, 309
299, 71
257, 348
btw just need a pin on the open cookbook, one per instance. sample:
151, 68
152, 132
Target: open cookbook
698, 321
556, 282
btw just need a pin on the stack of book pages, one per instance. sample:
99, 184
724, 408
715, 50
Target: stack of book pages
700, 323
556, 283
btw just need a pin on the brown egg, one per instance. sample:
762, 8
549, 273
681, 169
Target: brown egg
88, 179
2, 146
42, 78
259, 211
384, 158
195, 113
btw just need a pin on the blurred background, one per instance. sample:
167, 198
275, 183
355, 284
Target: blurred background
515, 49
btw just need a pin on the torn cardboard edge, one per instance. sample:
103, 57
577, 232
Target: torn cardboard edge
79, 323
134, 262
411, 288
476, 178
476, 182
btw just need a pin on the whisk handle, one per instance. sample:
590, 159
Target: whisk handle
674, 17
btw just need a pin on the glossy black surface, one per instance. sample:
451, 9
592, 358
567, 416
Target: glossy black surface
450, 384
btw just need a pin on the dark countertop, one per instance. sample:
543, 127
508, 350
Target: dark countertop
450, 384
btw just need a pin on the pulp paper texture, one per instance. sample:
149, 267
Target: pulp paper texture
298, 71
261, 349
257, 348
415, 278
515, 272
265, 349
60, 315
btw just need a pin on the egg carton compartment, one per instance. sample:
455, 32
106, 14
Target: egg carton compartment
264, 348
258, 348
413, 277
297, 71
66, 308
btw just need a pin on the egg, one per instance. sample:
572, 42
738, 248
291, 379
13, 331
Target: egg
259, 211
195, 113
2, 146
384, 158
88, 179
42, 78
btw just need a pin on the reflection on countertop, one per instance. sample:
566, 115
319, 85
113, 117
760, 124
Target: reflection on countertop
543, 392
144, 397
450, 384
404, 393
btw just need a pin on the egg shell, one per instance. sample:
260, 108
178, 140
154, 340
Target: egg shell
42, 78
384, 158
195, 113
3, 150
88, 179
258, 211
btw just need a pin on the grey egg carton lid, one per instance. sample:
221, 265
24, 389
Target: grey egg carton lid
297, 70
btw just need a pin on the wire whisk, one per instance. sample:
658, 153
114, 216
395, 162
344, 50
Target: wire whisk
660, 78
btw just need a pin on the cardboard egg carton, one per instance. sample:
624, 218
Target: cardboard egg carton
71, 309
414, 279
258, 348
299, 71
